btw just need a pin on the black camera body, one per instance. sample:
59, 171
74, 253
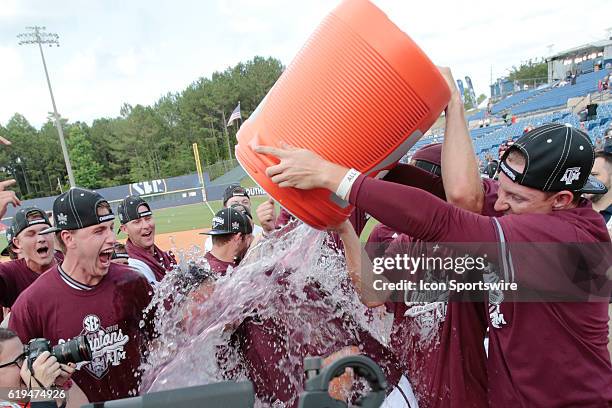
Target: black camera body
72, 351
316, 388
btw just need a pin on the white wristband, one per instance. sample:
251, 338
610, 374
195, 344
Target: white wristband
344, 188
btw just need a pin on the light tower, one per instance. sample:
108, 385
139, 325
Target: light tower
38, 35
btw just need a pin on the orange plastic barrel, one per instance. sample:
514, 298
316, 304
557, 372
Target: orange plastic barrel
360, 93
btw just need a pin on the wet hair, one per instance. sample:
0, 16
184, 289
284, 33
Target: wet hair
12, 254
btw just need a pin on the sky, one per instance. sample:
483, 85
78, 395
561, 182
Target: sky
113, 52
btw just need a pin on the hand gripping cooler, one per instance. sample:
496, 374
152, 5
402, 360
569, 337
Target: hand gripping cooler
359, 93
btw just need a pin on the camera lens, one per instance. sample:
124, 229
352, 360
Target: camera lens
73, 351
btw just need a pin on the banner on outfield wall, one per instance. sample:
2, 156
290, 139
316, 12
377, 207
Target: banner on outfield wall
148, 187
159, 193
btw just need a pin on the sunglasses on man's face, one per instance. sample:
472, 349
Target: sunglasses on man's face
17, 361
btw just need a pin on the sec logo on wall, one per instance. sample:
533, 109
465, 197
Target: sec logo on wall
148, 187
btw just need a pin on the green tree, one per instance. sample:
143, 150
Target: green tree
110, 151
87, 171
467, 98
143, 142
22, 157
530, 72
52, 166
201, 104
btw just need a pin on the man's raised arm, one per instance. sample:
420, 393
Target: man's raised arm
460, 174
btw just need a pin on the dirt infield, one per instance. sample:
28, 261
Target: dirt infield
181, 240
175, 241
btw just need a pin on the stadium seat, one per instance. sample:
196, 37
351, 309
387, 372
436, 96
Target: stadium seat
488, 139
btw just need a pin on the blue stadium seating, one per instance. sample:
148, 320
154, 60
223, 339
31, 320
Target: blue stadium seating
514, 100
488, 139
546, 98
477, 115
558, 96
507, 103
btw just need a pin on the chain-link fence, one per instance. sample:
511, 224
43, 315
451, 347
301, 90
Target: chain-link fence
220, 168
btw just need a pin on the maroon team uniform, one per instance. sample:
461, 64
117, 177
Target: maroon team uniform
217, 266
159, 261
263, 345
15, 277
439, 345
107, 314
567, 341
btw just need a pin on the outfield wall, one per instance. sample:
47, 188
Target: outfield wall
162, 193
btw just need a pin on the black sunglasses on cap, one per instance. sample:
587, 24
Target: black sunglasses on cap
234, 190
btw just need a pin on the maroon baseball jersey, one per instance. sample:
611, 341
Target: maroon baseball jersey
439, 344
218, 266
378, 240
159, 261
108, 315
569, 339
262, 344
540, 354
15, 277
265, 343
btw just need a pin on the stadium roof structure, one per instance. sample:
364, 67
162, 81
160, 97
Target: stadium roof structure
588, 47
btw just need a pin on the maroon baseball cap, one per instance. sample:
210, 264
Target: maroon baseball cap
429, 158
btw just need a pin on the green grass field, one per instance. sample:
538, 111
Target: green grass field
198, 216
192, 216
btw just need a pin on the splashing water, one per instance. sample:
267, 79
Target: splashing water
292, 289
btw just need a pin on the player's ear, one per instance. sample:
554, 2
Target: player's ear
16, 245
562, 200
68, 238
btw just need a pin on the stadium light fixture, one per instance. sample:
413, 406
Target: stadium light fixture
38, 35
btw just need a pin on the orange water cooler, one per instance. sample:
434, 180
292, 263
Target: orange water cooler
360, 93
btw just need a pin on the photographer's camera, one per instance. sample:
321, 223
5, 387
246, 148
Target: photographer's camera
72, 351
